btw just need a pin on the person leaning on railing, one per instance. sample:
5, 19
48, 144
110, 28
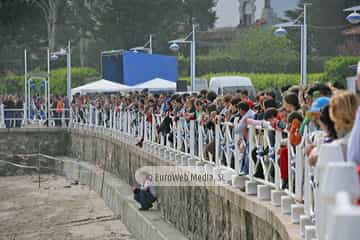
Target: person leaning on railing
59, 110
353, 152
343, 107
18, 114
9, 105
328, 136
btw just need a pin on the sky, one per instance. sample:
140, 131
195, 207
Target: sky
228, 10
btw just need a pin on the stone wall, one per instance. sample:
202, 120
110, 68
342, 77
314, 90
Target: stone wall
198, 212
34, 140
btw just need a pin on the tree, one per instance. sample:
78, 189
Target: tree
260, 44
20, 26
202, 12
326, 22
50, 11
127, 23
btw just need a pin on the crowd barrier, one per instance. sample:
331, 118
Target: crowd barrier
252, 165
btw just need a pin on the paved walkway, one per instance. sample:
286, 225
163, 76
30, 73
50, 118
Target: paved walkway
56, 211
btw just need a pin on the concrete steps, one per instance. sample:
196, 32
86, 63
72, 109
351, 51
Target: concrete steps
118, 197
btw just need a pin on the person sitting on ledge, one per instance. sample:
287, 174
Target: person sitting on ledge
145, 194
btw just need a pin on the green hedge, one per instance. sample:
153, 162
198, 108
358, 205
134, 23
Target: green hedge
79, 76
205, 65
268, 80
337, 69
14, 84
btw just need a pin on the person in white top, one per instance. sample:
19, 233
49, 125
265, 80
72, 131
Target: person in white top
353, 151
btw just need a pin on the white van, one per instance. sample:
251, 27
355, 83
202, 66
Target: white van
231, 84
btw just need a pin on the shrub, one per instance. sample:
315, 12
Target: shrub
215, 64
14, 84
267, 80
338, 69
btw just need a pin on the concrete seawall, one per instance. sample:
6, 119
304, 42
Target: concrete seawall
198, 212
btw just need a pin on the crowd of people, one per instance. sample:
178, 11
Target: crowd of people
13, 106
318, 112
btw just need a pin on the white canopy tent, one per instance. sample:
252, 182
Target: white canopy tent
156, 84
100, 86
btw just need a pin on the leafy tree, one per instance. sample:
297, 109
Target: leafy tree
260, 45
326, 22
127, 23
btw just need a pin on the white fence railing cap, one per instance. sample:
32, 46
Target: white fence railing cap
337, 177
328, 153
344, 220
340, 176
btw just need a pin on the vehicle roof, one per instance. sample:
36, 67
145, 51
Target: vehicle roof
228, 81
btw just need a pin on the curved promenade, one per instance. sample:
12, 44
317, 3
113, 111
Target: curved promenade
198, 212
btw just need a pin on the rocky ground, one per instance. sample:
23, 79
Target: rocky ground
56, 211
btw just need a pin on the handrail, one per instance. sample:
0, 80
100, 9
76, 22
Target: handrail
218, 146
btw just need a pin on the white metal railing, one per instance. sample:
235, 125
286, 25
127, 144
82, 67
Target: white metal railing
263, 157
11, 117
217, 146
192, 138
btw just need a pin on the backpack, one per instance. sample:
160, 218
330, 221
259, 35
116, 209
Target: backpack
295, 135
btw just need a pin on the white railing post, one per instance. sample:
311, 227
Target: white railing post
111, 119
217, 145
200, 141
228, 143
96, 117
70, 115
128, 121
237, 156
153, 129
121, 116
90, 115
2, 116
146, 131
178, 136
192, 138
299, 170
251, 147
278, 138
290, 170
103, 118
63, 123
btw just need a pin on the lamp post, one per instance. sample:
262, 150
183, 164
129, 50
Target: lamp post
174, 46
147, 46
281, 31
54, 56
354, 17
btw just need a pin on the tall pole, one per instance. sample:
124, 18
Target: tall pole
25, 87
302, 57
193, 57
150, 43
48, 86
305, 46
68, 83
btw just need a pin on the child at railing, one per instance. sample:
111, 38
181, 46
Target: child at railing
283, 163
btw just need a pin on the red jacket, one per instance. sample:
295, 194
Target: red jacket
283, 161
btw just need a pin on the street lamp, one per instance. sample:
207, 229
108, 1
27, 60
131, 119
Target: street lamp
53, 56
174, 46
145, 48
281, 31
354, 17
